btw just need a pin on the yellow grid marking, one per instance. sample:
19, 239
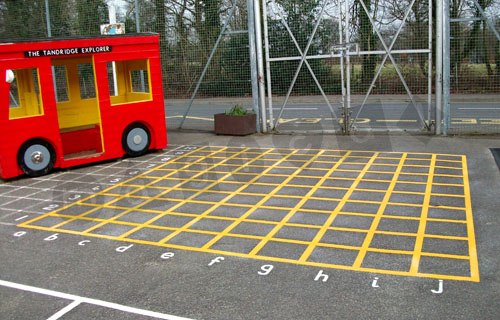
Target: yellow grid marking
406, 214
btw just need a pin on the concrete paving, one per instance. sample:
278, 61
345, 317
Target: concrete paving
260, 227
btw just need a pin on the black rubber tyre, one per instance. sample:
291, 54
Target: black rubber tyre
136, 140
36, 157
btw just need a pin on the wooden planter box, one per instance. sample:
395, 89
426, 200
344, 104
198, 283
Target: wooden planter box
235, 125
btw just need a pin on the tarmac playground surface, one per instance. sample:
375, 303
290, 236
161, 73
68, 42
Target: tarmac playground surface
259, 227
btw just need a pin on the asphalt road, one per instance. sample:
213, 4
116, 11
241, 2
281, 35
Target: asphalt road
387, 114
60, 275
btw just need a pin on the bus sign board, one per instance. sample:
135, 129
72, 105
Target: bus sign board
66, 51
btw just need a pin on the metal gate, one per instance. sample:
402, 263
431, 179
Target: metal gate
471, 67
346, 65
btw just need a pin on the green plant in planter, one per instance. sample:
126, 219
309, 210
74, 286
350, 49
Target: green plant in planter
236, 121
237, 110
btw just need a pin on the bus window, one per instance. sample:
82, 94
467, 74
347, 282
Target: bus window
61, 83
131, 80
25, 100
87, 83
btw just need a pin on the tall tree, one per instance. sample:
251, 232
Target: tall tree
367, 38
91, 14
24, 19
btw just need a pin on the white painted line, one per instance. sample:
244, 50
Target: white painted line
480, 108
95, 302
297, 109
65, 310
21, 218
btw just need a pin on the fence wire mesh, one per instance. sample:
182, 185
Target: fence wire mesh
474, 66
374, 54
188, 31
347, 52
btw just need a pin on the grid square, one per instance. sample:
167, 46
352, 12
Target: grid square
323, 205
398, 225
445, 213
446, 246
390, 242
206, 224
193, 208
136, 216
283, 250
79, 225
309, 218
211, 196
329, 193
352, 222
387, 261
335, 256
112, 229
285, 202
258, 189
253, 228
345, 238
105, 213
190, 239
296, 233
438, 265
180, 194
159, 205
263, 214
235, 244
150, 234
446, 228
173, 221
294, 191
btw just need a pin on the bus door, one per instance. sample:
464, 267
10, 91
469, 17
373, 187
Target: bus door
77, 107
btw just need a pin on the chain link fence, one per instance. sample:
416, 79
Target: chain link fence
369, 59
369, 62
474, 66
189, 31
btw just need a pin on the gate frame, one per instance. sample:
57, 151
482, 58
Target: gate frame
345, 53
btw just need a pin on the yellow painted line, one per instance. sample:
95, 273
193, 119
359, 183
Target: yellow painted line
213, 160
260, 204
397, 120
474, 265
415, 263
366, 243
181, 203
321, 233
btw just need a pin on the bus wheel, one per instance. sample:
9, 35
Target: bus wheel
36, 157
136, 140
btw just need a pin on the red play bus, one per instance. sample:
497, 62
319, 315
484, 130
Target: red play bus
72, 101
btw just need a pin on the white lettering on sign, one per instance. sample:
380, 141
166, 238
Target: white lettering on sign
66, 51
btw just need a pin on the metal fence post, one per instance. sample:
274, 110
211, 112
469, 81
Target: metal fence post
446, 66
439, 65
253, 61
260, 64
